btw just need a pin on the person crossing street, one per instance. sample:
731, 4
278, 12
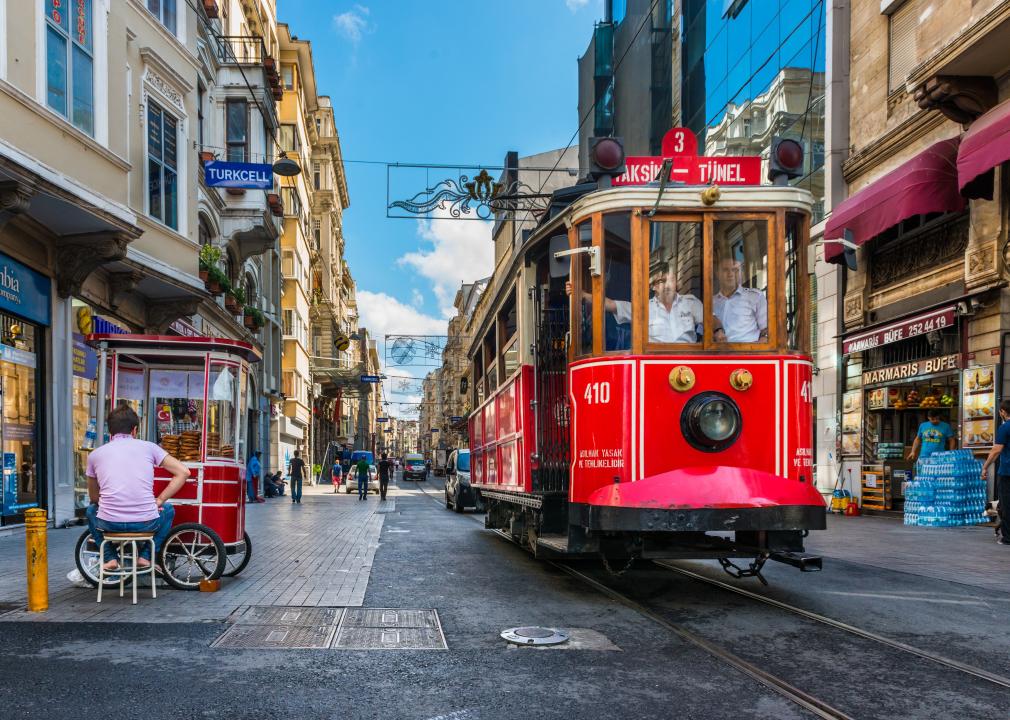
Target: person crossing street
385, 468
362, 470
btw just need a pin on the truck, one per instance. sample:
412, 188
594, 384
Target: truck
440, 461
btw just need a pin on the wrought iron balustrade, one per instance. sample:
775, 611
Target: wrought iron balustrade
241, 49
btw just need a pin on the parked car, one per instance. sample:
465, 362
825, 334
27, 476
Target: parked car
351, 481
414, 467
460, 495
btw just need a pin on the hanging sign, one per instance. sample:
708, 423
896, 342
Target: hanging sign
23, 291
253, 176
369, 378
917, 368
382, 419
919, 325
681, 146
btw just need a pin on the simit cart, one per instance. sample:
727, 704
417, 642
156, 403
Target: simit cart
192, 396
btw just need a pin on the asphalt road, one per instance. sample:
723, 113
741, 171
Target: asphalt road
480, 584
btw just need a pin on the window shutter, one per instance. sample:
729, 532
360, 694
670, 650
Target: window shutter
903, 50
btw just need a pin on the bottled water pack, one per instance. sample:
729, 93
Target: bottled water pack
948, 491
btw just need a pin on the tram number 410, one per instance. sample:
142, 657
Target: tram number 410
597, 393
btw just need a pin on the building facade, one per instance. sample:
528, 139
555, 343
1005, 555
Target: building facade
920, 99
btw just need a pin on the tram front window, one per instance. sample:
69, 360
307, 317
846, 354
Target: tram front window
676, 313
740, 277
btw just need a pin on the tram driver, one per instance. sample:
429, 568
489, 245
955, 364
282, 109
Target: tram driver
673, 318
742, 311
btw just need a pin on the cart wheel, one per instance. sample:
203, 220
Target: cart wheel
86, 556
237, 556
191, 553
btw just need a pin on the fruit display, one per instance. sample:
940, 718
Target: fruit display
912, 398
946, 400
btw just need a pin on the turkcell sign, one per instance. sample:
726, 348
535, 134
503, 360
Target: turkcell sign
238, 175
700, 170
369, 378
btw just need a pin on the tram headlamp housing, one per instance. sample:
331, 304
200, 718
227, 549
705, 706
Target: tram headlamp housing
711, 422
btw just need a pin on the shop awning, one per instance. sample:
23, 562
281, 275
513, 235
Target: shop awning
983, 147
925, 184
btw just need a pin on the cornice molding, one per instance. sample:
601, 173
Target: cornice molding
890, 143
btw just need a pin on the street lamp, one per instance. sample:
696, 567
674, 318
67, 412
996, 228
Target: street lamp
285, 166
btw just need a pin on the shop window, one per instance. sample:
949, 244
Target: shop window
162, 166
165, 11
70, 64
18, 433
675, 310
237, 121
222, 401
740, 281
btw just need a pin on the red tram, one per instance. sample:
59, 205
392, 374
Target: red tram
642, 379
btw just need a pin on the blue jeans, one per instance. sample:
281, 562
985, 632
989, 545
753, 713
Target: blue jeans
296, 488
362, 486
161, 526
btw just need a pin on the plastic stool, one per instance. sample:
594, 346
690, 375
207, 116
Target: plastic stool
124, 540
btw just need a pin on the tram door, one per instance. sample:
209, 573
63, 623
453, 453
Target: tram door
550, 351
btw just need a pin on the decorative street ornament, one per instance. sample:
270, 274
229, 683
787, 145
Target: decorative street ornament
415, 350
477, 199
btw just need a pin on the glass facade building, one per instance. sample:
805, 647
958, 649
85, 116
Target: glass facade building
752, 69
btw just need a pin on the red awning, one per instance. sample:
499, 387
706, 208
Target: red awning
925, 184
983, 147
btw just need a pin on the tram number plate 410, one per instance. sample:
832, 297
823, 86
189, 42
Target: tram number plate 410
597, 393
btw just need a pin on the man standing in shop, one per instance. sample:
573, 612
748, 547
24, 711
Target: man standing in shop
1001, 450
933, 436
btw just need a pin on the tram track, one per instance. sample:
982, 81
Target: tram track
812, 704
776, 682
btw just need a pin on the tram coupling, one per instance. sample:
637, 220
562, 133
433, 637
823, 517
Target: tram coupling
806, 563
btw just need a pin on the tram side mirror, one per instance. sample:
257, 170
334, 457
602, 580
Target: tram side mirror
560, 266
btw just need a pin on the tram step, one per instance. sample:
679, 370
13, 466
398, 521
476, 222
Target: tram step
806, 563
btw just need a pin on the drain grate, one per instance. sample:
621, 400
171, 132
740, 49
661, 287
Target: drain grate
287, 637
282, 615
389, 617
390, 638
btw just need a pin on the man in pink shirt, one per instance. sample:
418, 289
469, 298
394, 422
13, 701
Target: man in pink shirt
121, 486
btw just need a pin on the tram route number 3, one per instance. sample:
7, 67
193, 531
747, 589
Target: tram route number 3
597, 393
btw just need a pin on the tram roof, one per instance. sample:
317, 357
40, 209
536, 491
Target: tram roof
155, 343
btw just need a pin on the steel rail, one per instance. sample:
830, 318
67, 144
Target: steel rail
790, 692
867, 634
818, 707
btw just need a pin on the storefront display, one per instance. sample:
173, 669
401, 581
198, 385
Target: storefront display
24, 313
852, 423
978, 407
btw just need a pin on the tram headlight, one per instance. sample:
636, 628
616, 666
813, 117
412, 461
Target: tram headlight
711, 422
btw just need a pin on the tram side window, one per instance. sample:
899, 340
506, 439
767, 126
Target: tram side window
617, 281
676, 313
740, 292
585, 314
221, 402
794, 224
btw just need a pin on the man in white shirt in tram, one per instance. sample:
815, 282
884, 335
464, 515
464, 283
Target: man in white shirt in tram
742, 311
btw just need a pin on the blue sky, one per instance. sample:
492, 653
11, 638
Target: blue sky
455, 81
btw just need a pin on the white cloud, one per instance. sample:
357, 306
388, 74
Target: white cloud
417, 298
461, 251
353, 23
576, 5
384, 315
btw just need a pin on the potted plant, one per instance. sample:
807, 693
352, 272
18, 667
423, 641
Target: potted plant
248, 317
216, 281
259, 319
209, 258
231, 301
206, 156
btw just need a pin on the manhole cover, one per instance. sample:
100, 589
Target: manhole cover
288, 637
534, 635
281, 615
382, 618
368, 638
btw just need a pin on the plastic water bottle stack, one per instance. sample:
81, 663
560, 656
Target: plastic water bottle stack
948, 491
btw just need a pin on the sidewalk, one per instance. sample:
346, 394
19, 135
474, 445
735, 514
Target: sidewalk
966, 555
318, 553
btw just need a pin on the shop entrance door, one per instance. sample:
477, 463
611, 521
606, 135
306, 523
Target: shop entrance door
19, 432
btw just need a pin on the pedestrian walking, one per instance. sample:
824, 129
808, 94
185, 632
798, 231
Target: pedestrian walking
1001, 450
335, 474
252, 476
385, 468
296, 473
121, 487
362, 470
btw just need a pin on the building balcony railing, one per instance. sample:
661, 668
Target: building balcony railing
241, 49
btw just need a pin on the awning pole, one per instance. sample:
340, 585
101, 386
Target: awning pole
102, 391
